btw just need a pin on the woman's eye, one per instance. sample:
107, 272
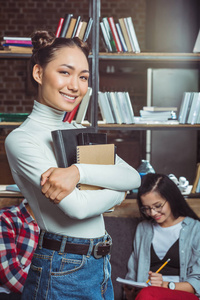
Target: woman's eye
64, 72
84, 78
158, 205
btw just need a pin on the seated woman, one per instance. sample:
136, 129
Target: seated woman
170, 230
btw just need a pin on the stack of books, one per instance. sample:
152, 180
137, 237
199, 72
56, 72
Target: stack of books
116, 107
151, 114
17, 44
190, 108
70, 27
119, 36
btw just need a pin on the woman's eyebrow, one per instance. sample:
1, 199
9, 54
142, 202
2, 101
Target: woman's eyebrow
72, 68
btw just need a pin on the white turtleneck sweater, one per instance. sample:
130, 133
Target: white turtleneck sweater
30, 153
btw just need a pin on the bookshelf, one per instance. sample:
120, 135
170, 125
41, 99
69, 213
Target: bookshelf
145, 59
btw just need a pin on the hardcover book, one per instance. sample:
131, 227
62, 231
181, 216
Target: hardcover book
125, 34
115, 34
88, 29
65, 142
65, 24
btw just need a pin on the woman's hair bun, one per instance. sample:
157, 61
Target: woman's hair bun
41, 39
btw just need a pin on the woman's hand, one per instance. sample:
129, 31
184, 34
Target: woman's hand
156, 279
57, 183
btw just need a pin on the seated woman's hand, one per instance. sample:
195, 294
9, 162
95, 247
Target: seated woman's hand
156, 279
57, 183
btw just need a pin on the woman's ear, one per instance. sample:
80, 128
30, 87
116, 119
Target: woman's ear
37, 73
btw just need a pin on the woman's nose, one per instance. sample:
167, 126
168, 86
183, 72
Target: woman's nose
73, 83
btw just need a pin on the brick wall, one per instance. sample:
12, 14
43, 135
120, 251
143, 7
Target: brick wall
22, 17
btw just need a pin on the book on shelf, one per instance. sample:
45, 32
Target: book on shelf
105, 108
88, 29
157, 115
79, 28
129, 35
83, 106
130, 108
16, 38
112, 107
18, 49
109, 33
60, 24
194, 109
78, 20
105, 36
81, 33
196, 183
159, 108
65, 25
115, 34
196, 48
125, 107
65, 142
116, 107
80, 110
71, 28
69, 116
133, 36
102, 154
18, 42
121, 37
190, 108
125, 34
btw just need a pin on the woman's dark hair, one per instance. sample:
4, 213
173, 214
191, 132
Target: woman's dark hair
45, 44
163, 185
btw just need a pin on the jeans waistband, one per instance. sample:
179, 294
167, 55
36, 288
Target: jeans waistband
97, 247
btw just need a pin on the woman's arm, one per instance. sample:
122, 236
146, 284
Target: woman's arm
58, 183
29, 158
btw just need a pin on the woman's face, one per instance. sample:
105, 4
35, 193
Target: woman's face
161, 213
64, 81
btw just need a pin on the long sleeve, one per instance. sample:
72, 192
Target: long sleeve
120, 177
17, 243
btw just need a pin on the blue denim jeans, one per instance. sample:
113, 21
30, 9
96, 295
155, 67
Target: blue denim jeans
55, 275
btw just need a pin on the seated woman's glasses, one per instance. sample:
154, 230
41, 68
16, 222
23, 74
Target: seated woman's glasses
147, 209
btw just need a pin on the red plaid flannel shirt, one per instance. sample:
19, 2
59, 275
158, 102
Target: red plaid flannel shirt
18, 240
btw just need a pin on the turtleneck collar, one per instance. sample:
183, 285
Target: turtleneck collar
45, 114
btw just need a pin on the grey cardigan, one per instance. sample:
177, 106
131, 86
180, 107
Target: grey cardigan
189, 252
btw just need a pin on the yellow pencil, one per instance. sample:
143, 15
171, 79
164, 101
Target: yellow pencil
160, 268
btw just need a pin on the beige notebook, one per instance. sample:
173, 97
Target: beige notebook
103, 154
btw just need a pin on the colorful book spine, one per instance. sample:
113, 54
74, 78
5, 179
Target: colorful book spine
59, 27
115, 34
109, 33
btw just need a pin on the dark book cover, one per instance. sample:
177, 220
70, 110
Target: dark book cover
65, 142
65, 25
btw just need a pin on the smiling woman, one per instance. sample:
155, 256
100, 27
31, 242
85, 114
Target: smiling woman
171, 230
74, 247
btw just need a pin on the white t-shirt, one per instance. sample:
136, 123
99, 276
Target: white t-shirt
30, 153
